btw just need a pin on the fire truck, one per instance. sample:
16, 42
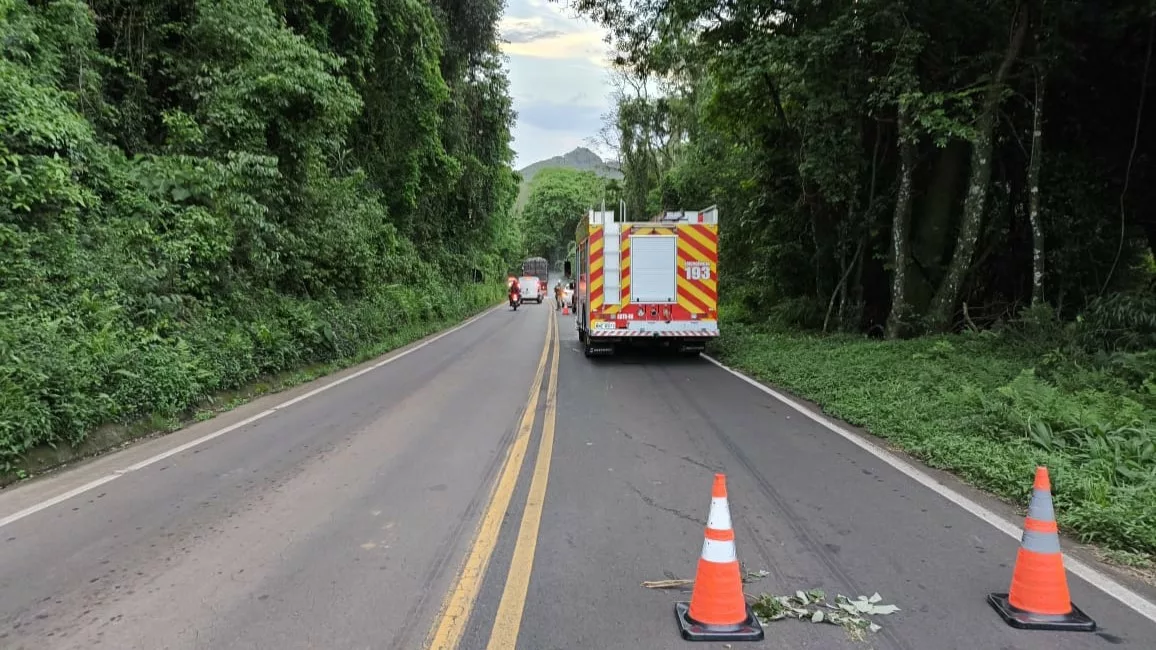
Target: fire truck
652, 282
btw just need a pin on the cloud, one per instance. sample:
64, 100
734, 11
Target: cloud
553, 37
528, 30
562, 117
559, 103
534, 79
528, 34
585, 46
558, 78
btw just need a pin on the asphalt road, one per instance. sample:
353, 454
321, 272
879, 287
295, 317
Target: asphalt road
410, 505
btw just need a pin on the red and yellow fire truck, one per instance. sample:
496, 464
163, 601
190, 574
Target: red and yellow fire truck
653, 282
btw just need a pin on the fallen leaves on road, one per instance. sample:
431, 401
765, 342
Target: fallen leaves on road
813, 606
810, 605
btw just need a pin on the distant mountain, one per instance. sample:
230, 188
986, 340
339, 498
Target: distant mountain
581, 159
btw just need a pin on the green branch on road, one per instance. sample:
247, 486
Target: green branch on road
813, 606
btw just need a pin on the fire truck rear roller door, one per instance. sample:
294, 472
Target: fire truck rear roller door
611, 269
654, 269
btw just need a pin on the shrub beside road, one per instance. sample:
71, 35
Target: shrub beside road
989, 407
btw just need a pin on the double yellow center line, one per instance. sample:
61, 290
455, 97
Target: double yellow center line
455, 612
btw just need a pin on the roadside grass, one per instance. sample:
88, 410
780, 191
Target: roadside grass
988, 408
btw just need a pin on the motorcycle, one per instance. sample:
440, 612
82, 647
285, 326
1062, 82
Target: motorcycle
515, 300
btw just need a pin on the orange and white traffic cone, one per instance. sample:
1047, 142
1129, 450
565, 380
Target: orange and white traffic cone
718, 610
1038, 598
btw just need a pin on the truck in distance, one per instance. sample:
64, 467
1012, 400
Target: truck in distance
537, 267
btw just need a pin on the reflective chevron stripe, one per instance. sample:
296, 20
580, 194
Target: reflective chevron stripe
644, 334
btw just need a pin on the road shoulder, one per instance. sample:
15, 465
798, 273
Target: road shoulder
1002, 515
91, 468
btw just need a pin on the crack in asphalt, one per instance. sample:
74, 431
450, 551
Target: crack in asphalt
697, 463
653, 504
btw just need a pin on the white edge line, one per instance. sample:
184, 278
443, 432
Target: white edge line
92, 485
1094, 577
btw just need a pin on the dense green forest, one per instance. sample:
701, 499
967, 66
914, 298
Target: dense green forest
197, 194
556, 200
903, 158
579, 159
972, 180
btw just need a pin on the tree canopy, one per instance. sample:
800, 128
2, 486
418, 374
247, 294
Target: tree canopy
557, 200
195, 194
901, 166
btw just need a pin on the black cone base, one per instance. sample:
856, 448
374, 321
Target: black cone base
748, 630
1073, 621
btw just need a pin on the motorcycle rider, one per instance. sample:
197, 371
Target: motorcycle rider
515, 290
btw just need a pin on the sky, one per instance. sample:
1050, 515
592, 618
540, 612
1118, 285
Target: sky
558, 78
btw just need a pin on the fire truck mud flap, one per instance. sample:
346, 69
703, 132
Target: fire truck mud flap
691, 347
598, 348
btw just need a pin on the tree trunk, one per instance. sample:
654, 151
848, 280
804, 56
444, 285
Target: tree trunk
901, 224
933, 235
841, 290
824, 233
946, 298
1132, 153
856, 315
1034, 191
